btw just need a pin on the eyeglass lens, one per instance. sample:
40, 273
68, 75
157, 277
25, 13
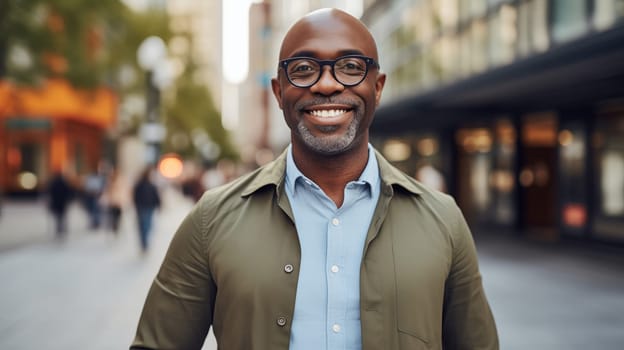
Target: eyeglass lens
348, 71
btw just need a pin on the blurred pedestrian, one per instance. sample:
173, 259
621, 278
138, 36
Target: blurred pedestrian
329, 246
60, 194
115, 198
146, 201
93, 188
193, 188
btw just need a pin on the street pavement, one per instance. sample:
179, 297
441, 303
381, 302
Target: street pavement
87, 291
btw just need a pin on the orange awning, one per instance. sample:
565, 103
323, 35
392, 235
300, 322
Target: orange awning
58, 99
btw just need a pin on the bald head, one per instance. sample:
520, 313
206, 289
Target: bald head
332, 28
331, 115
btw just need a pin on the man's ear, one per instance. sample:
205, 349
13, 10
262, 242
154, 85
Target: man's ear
379, 85
277, 90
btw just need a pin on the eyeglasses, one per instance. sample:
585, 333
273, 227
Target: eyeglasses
348, 70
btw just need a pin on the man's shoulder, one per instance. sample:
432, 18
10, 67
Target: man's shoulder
265, 177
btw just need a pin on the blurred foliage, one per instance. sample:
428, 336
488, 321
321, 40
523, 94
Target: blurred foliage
92, 43
193, 110
70, 39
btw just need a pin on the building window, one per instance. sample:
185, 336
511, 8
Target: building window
608, 145
532, 27
465, 49
474, 193
572, 170
607, 12
479, 45
408, 32
469, 9
503, 35
420, 155
448, 10
569, 19
502, 178
448, 56
493, 3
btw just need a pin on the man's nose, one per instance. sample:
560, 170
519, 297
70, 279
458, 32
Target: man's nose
327, 84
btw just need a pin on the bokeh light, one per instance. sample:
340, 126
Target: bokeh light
170, 166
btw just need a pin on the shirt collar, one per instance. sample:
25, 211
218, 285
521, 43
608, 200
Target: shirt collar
370, 174
274, 174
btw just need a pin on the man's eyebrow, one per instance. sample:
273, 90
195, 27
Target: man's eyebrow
312, 54
303, 54
350, 52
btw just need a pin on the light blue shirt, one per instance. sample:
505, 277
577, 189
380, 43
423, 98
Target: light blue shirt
327, 305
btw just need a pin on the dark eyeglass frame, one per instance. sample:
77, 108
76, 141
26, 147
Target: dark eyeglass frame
368, 60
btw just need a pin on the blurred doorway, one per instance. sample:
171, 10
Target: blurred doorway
537, 175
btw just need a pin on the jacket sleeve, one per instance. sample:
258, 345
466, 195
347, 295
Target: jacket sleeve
178, 310
467, 320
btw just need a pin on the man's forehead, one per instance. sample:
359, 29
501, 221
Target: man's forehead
328, 31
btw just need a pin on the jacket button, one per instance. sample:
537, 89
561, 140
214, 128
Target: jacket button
288, 268
281, 321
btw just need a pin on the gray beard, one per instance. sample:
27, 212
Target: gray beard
329, 144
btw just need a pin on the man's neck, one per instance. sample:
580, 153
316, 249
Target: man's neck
332, 172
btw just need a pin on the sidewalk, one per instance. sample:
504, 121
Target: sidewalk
85, 292
553, 296
24, 222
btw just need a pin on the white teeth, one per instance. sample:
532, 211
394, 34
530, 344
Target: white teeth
326, 113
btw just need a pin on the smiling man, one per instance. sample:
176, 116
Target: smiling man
329, 246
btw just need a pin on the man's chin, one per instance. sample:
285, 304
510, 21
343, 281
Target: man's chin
327, 147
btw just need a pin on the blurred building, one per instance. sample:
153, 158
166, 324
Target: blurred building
519, 104
255, 92
48, 128
201, 19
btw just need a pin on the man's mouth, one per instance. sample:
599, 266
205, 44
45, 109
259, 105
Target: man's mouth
327, 113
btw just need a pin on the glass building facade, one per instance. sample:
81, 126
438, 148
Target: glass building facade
523, 102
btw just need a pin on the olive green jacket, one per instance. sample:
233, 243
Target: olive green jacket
234, 263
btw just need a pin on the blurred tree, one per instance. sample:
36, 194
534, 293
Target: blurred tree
93, 43
192, 115
22, 37
83, 41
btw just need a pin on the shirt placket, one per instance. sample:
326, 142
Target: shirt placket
336, 283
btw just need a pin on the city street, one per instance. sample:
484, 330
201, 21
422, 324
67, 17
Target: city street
86, 292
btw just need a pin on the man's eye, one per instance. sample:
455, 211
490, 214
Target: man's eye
302, 68
352, 65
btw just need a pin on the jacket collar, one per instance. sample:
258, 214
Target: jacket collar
274, 174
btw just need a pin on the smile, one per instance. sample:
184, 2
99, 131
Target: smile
327, 113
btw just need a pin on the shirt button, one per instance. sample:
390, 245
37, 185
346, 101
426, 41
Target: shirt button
336, 328
335, 268
288, 268
281, 321
335, 222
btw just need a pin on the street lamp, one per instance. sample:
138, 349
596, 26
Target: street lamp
152, 58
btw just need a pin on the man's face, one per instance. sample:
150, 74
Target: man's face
327, 117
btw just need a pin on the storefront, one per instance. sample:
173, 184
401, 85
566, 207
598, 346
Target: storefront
551, 174
50, 128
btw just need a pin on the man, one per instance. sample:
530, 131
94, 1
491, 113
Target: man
329, 246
